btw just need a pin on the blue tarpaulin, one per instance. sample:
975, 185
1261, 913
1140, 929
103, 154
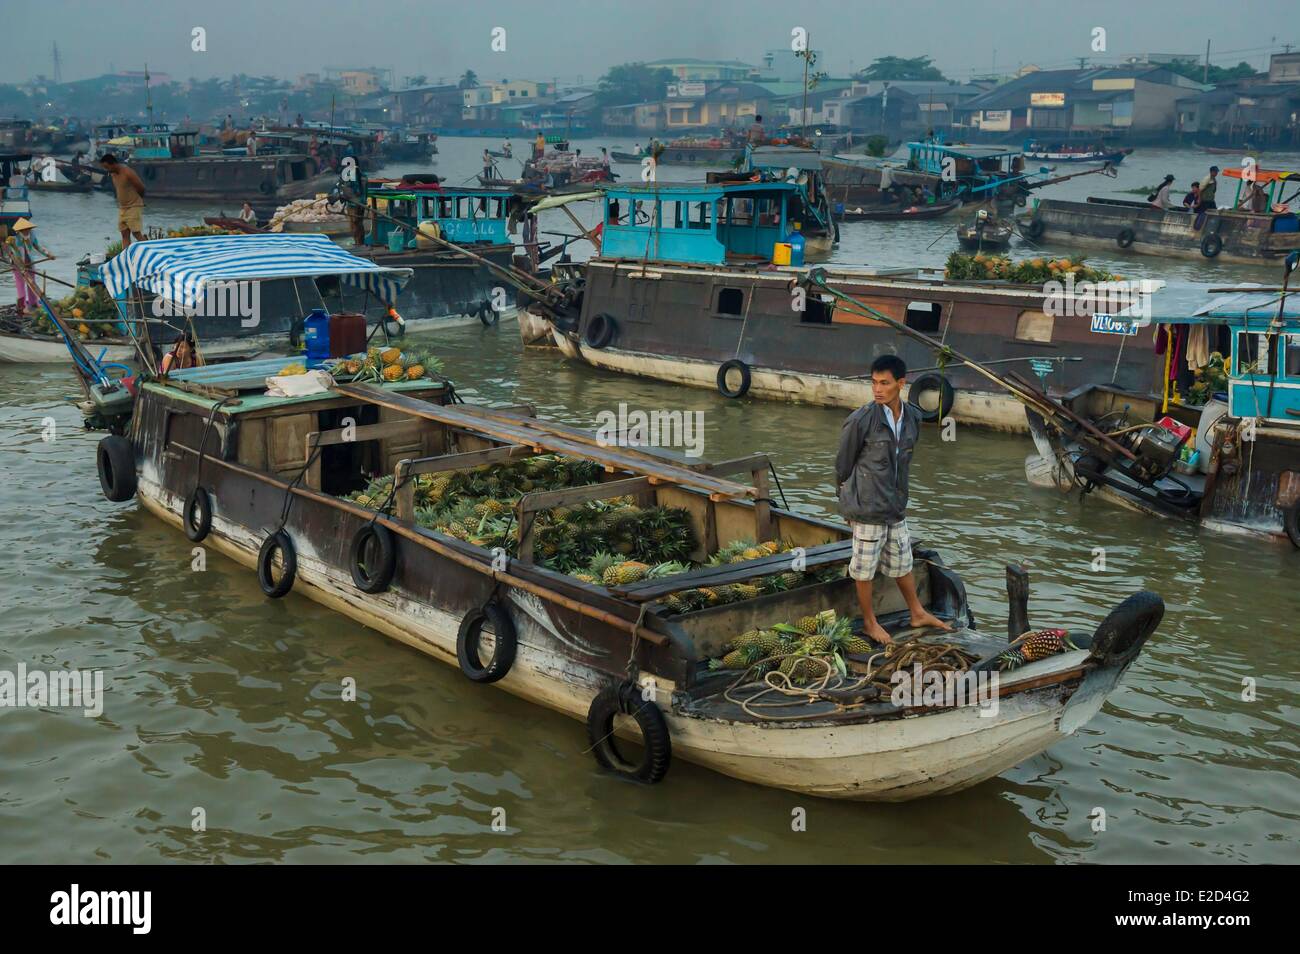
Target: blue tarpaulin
181, 269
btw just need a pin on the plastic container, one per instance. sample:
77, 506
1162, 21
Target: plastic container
396, 241
781, 252
347, 334
316, 336
796, 240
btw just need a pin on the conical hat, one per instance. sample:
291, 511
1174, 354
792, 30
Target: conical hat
22, 224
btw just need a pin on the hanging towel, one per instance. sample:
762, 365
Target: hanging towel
1198, 347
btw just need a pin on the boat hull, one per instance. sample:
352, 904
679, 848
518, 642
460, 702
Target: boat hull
1243, 237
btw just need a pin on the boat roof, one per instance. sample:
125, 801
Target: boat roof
1264, 175
701, 190
1196, 303
785, 157
180, 270
967, 152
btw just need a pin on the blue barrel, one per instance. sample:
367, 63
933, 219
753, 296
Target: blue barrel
316, 335
796, 240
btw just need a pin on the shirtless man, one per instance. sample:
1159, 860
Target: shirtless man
130, 198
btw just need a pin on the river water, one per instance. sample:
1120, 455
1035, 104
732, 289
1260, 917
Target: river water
222, 701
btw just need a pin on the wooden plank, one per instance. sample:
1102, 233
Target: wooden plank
468, 460
736, 465
549, 438
547, 499
405, 497
838, 552
364, 432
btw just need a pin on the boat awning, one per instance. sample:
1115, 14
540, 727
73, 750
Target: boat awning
555, 201
1193, 303
180, 270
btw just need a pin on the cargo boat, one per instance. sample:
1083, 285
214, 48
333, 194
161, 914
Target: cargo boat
1228, 234
272, 484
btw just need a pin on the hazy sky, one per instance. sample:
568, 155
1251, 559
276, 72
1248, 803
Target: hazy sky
568, 39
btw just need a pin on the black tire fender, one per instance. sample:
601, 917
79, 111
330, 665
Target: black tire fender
1125, 238
600, 331
115, 461
265, 557
504, 649
1125, 629
487, 314
746, 378
932, 381
377, 578
196, 518
1035, 229
657, 747
1291, 524
266, 187
1211, 245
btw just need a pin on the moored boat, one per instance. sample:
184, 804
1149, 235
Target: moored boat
895, 213
1266, 229
1062, 152
284, 486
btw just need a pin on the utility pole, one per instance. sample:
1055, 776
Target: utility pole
803, 115
58, 66
1205, 74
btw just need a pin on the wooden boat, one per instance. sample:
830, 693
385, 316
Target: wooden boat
1059, 154
58, 185
895, 213
626, 156
692, 297
985, 233
14, 203
232, 224
273, 486
1233, 150
1232, 465
1226, 234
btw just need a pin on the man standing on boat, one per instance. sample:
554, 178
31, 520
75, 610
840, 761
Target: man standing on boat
1209, 186
871, 472
130, 198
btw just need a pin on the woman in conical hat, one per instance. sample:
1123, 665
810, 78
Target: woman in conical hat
24, 243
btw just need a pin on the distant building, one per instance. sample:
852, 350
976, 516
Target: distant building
633, 118
692, 70
427, 105
904, 109
479, 102
705, 106
1259, 110
1083, 103
786, 65
360, 82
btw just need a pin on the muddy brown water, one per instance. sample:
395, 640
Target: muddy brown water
218, 699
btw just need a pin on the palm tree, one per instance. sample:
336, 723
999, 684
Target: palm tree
468, 80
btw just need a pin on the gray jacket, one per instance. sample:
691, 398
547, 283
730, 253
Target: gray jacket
871, 468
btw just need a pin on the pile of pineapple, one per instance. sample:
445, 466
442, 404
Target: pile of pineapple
803, 651
478, 506
387, 365
741, 551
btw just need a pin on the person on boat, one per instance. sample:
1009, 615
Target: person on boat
183, 354
756, 134
1160, 198
251, 143
130, 198
871, 473
24, 244
507, 150
297, 120
539, 146
1255, 199
1192, 200
487, 167
247, 215
1209, 186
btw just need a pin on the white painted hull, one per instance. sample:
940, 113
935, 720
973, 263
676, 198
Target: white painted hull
888, 760
994, 410
23, 349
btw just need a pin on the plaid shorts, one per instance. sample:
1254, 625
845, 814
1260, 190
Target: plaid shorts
880, 547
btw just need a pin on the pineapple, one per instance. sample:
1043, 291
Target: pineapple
750, 638
770, 642
770, 547
393, 372
745, 591
415, 372
857, 646
390, 355
736, 659
807, 624
675, 603
751, 553
825, 619
624, 573
586, 578
818, 644
1047, 642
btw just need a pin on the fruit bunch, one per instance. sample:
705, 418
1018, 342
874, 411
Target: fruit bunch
807, 649
1031, 271
388, 365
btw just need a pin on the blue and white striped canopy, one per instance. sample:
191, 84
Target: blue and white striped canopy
180, 269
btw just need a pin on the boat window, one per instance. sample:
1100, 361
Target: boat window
700, 216
923, 316
446, 208
1034, 326
731, 301
816, 311
741, 212
672, 215
1291, 360
1252, 353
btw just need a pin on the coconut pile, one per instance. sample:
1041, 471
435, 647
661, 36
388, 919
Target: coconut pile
305, 210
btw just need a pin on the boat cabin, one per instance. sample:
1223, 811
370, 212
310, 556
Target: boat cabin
164, 143
1279, 187
966, 170
1264, 364
465, 216
14, 203
709, 223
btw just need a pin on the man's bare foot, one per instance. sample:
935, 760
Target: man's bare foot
926, 619
877, 633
